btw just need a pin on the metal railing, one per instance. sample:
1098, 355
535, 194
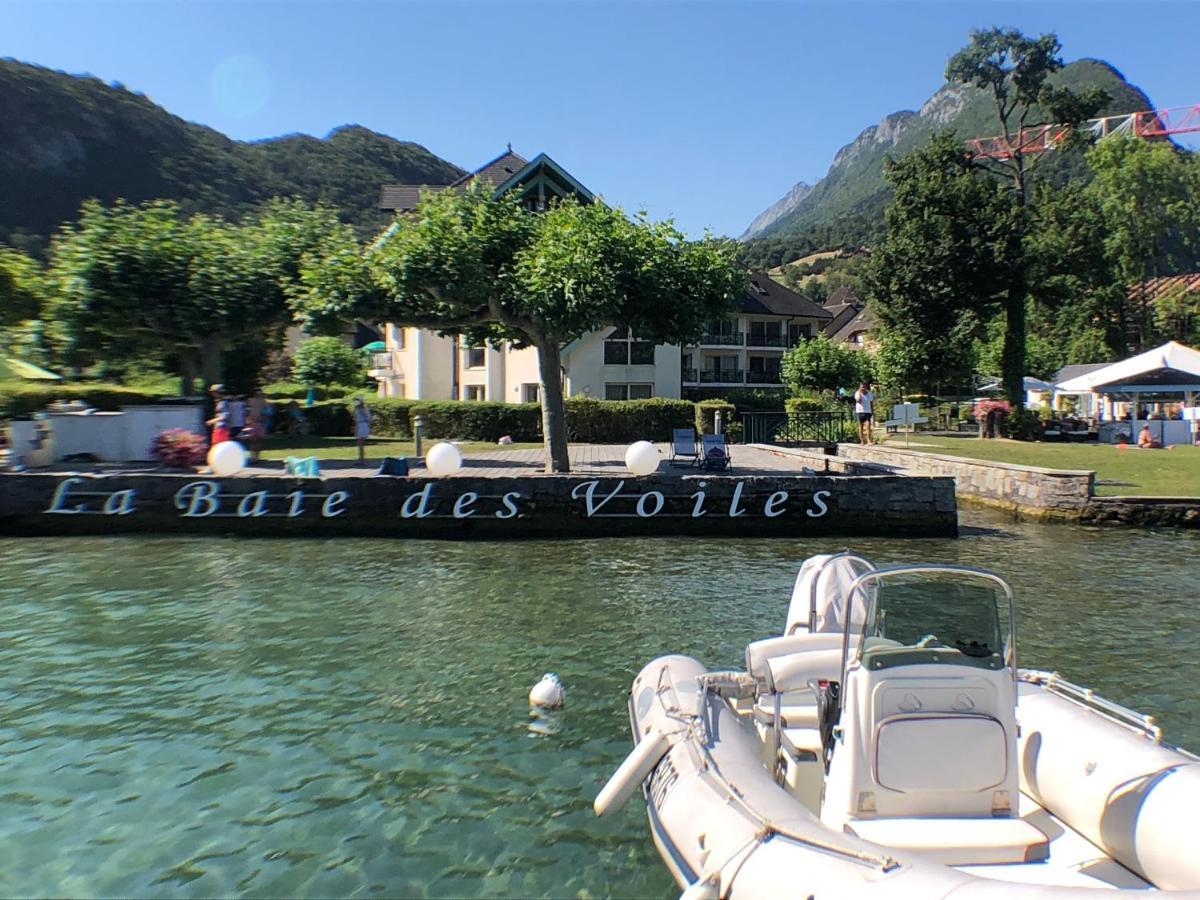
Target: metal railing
381, 359
765, 340
723, 339
764, 376
722, 376
781, 428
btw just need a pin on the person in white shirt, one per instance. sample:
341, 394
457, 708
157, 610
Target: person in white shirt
362, 427
863, 400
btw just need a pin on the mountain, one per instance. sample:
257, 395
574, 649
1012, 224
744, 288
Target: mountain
68, 138
777, 210
853, 193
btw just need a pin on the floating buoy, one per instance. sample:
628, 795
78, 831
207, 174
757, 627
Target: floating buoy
548, 692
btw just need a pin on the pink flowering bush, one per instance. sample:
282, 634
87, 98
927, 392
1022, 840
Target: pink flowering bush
178, 447
983, 407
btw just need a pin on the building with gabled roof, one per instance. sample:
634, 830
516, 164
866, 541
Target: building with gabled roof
744, 348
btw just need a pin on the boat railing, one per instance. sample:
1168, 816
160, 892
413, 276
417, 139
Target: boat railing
1123, 715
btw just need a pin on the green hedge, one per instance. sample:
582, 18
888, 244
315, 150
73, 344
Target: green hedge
706, 411
805, 404
294, 390
620, 421
474, 421
25, 400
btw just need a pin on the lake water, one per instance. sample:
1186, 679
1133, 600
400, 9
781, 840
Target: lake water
219, 717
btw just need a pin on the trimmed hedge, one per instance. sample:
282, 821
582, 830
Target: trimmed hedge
620, 421
474, 421
22, 400
294, 390
804, 404
706, 411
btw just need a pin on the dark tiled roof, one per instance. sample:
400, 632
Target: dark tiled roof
862, 320
1066, 373
1152, 288
404, 197
765, 296
498, 171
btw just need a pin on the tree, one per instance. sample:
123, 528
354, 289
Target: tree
326, 361
22, 287
934, 276
1015, 70
145, 279
466, 264
1148, 197
822, 364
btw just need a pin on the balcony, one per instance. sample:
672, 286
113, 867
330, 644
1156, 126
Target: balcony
764, 376
383, 364
766, 340
721, 376
723, 339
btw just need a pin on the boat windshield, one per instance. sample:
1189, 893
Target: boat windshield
935, 614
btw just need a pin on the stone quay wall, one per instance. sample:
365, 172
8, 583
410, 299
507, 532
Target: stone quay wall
1042, 493
569, 506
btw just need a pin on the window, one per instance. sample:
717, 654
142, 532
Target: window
766, 334
531, 393
475, 392
798, 333
641, 353
475, 358
636, 391
622, 349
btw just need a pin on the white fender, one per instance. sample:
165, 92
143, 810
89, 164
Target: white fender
637, 768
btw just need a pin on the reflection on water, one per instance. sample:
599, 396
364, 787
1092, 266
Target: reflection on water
193, 717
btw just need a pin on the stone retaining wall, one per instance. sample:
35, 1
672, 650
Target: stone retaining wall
1144, 512
571, 506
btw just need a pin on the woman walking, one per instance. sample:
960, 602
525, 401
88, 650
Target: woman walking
362, 427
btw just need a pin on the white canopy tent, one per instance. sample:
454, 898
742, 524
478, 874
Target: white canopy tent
1170, 370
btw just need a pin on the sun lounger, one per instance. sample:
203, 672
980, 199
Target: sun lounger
684, 450
715, 453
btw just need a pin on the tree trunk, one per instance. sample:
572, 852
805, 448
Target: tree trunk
1012, 358
210, 358
187, 372
554, 419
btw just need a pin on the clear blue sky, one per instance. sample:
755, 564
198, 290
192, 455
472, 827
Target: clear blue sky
707, 112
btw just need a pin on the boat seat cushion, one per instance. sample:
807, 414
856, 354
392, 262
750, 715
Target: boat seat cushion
801, 743
796, 711
957, 842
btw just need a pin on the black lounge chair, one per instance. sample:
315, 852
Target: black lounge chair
715, 453
684, 449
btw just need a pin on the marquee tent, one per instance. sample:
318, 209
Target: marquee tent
1172, 370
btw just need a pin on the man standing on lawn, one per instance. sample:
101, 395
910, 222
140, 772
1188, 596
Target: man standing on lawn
863, 400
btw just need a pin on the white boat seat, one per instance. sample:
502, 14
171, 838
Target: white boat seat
801, 744
794, 714
957, 842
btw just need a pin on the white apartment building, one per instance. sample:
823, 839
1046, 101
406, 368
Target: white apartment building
742, 350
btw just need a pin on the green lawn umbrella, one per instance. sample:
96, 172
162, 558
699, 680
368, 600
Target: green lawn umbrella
373, 346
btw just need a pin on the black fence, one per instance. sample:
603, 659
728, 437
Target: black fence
799, 427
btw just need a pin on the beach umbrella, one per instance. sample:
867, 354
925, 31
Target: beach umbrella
374, 346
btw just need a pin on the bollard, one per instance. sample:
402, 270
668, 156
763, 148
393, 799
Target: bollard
717, 422
418, 431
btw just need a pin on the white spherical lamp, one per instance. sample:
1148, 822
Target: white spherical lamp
443, 459
226, 458
641, 458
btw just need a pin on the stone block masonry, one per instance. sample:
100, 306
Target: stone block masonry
569, 506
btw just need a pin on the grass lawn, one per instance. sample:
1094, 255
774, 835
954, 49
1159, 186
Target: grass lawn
282, 446
1172, 472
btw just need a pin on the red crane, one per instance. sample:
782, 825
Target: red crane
1150, 124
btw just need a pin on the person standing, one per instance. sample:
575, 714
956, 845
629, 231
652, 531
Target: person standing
219, 423
237, 416
864, 399
362, 427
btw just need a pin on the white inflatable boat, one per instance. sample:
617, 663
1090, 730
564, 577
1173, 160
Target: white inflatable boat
887, 745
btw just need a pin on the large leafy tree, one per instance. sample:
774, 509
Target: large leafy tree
824, 365
1015, 70
486, 268
935, 274
328, 360
1148, 198
22, 287
149, 280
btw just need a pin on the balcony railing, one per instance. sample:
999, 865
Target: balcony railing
764, 376
723, 339
765, 340
722, 376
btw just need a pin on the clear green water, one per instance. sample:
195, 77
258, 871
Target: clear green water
195, 717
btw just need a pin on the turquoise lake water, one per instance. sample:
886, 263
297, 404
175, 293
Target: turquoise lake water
221, 717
